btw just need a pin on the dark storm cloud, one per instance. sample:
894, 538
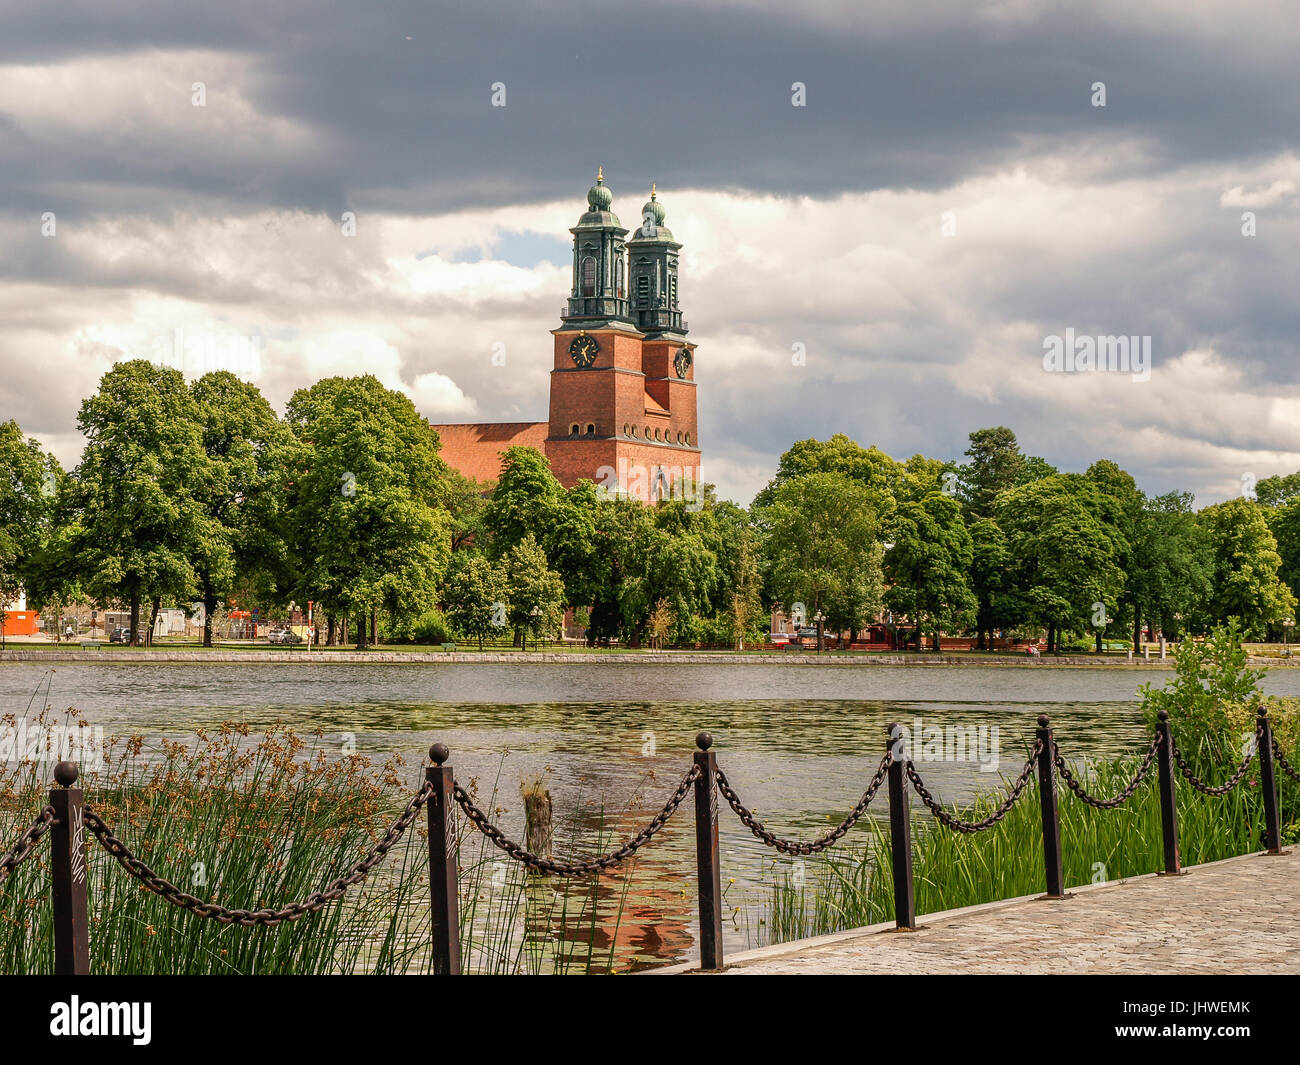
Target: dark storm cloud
687, 96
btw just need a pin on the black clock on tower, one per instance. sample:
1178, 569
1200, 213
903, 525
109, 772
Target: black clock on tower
682, 362
584, 350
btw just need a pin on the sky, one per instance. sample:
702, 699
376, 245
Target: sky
888, 210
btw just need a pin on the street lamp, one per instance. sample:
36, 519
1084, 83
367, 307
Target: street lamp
819, 617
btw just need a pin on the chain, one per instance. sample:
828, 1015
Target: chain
1287, 767
1222, 789
550, 866
248, 918
793, 846
1123, 796
971, 827
22, 847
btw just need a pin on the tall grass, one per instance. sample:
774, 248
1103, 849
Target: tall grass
259, 821
854, 887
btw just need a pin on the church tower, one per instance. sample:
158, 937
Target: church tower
623, 410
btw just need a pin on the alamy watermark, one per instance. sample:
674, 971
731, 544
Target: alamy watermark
196, 354
920, 742
1098, 354
37, 743
650, 484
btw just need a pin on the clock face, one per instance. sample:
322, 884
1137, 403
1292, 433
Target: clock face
682, 362
584, 350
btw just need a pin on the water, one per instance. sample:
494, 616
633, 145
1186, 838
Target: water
612, 741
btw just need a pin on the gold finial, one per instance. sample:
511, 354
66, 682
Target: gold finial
600, 174
652, 190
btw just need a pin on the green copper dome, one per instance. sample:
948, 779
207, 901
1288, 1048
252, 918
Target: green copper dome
652, 228
652, 207
599, 197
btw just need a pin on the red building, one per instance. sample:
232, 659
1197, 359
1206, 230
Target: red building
623, 402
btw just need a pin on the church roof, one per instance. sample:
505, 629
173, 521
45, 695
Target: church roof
475, 449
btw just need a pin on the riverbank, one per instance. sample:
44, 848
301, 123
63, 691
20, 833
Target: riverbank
337, 657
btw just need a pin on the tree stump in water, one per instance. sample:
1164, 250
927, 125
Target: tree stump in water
537, 817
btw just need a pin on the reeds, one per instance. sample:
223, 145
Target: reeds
854, 887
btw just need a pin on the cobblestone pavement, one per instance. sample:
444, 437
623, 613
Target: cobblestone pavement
1236, 916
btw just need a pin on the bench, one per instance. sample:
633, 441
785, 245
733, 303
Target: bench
449, 647
91, 645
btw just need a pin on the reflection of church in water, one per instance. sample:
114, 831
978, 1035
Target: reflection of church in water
623, 401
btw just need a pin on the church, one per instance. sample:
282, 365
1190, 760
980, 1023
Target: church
623, 400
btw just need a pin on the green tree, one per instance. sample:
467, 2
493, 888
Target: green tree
1244, 580
524, 500
869, 466
29, 484
245, 444
1284, 522
996, 465
367, 527
1170, 577
990, 581
928, 565
535, 592
821, 534
1063, 558
138, 521
1120, 507
1278, 491
475, 597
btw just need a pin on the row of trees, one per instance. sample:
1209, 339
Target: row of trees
1007, 543
201, 492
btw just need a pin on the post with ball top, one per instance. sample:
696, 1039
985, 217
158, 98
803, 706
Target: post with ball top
443, 863
68, 860
706, 853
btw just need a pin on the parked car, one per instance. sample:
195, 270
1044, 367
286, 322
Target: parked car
283, 636
120, 636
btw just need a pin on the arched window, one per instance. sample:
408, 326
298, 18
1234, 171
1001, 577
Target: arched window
647, 432
618, 277
588, 276
573, 429
591, 429
688, 439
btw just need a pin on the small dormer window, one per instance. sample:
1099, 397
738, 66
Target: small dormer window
591, 429
573, 429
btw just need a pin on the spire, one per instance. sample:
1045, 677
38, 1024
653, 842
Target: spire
652, 269
599, 291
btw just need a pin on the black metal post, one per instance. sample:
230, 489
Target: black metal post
443, 864
706, 853
900, 833
68, 858
1051, 816
1268, 782
1168, 797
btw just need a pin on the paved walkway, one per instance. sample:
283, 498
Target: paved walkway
1237, 916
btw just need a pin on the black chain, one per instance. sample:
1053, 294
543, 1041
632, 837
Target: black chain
1222, 789
22, 847
1287, 767
956, 824
794, 846
248, 918
536, 862
1123, 796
